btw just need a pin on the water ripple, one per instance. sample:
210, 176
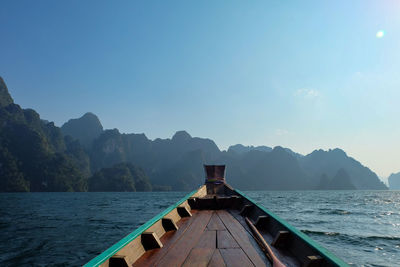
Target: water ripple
64, 229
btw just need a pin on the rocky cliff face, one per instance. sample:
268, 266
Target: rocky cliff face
260, 170
177, 162
164, 160
5, 97
85, 129
329, 162
33, 154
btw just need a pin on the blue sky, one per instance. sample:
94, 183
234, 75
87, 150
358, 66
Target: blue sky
301, 74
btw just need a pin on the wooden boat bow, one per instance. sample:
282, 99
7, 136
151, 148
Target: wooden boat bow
213, 226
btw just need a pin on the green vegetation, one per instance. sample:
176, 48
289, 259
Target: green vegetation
35, 155
121, 177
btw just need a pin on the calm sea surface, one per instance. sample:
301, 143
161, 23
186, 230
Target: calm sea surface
64, 229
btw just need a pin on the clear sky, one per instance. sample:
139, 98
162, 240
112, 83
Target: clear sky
300, 74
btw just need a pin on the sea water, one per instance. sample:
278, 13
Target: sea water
64, 229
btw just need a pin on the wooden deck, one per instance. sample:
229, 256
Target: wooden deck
216, 225
207, 238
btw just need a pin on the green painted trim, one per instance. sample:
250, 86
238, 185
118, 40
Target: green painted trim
326, 253
127, 239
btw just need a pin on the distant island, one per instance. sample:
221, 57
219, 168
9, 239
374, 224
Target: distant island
394, 181
37, 156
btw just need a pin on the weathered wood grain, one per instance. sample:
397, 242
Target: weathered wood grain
216, 260
133, 251
157, 228
199, 257
181, 249
225, 240
207, 240
215, 223
241, 237
235, 257
173, 215
168, 239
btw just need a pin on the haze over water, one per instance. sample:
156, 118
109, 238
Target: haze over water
299, 74
72, 228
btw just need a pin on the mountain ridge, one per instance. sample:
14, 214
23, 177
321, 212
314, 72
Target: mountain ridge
85, 129
35, 155
163, 154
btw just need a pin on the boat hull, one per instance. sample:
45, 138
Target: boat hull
220, 226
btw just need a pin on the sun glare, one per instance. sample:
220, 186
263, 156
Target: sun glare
380, 34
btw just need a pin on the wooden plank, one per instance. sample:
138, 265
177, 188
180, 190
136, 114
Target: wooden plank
225, 240
215, 223
103, 257
173, 215
201, 192
168, 239
157, 228
266, 248
133, 251
303, 238
181, 249
186, 205
216, 260
235, 257
241, 237
208, 240
283, 255
199, 257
